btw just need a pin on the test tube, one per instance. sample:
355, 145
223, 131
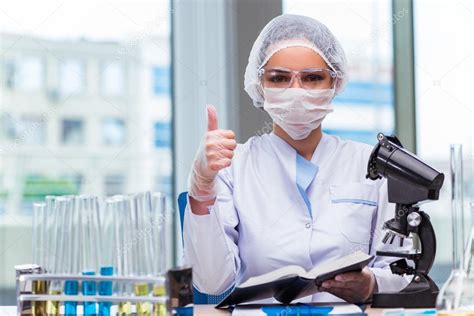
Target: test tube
71, 262
52, 227
90, 245
57, 209
51, 231
158, 219
39, 233
39, 254
158, 208
108, 215
142, 249
123, 242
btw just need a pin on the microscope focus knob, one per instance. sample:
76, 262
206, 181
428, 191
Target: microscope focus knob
414, 219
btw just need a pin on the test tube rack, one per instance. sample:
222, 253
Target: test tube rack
27, 274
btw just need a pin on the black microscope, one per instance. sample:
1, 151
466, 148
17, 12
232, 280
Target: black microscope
409, 182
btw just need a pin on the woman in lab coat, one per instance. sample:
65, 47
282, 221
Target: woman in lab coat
296, 196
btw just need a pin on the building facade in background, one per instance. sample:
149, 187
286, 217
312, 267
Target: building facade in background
82, 117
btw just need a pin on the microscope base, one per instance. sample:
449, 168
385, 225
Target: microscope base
421, 294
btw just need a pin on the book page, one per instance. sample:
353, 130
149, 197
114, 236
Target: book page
329, 266
337, 264
273, 275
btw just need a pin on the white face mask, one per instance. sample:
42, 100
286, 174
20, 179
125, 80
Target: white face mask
297, 111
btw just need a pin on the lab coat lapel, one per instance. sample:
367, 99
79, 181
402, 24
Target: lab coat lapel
286, 157
321, 157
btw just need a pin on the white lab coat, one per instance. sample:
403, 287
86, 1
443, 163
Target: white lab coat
260, 221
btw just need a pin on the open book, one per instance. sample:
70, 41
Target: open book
292, 282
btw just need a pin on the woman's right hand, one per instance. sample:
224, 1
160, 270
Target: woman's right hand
215, 153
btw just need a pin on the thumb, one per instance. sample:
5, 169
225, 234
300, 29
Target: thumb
211, 118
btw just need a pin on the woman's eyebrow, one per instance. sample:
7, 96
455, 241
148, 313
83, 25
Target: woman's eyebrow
279, 69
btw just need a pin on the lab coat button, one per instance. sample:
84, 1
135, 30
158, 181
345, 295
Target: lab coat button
308, 225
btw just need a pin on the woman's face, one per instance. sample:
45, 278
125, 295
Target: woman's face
296, 58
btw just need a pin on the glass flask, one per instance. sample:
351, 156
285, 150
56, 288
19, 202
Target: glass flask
451, 294
466, 302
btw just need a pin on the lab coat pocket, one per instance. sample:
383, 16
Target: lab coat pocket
354, 205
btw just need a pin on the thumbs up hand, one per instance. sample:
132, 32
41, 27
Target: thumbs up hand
215, 153
219, 143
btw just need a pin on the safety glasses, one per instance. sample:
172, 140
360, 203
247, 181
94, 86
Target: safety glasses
309, 79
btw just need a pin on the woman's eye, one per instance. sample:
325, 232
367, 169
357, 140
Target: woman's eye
278, 78
313, 78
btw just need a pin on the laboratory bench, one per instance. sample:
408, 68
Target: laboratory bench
201, 310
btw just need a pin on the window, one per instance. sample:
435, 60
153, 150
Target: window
72, 132
71, 77
29, 129
28, 73
113, 131
92, 50
365, 107
32, 130
161, 80
444, 107
162, 134
10, 127
9, 74
113, 79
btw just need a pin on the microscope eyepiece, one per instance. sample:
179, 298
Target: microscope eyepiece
410, 180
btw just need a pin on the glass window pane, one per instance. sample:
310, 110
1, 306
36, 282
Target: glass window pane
28, 73
72, 132
162, 134
8, 77
33, 130
161, 80
10, 127
443, 70
365, 107
113, 131
29, 129
113, 79
71, 77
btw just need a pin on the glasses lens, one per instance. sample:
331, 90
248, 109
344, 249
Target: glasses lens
310, 79
275, 78
317, 79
